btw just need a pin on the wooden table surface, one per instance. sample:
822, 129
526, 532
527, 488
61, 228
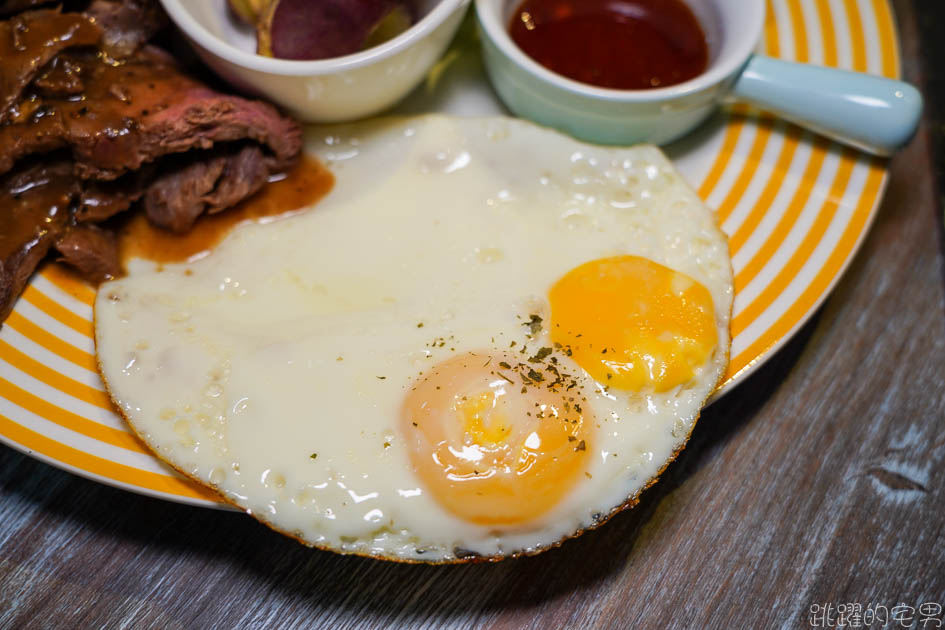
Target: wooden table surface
818, 482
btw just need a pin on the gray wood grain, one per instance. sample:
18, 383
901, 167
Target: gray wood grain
817, 481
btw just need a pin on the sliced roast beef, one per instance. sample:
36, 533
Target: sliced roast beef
244, 173
9, 7
128, 24
34, 211
92, 251
175, 200
61, 78
135, 112
29, 41
99, 201
204, 184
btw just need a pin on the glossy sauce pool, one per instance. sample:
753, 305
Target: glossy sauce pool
617, 44
301, 187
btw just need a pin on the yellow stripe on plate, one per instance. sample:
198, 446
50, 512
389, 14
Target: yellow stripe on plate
53, 378
821, 283
57, 311
786, 223
772, 41
802, 253
65, 418
764, 125
67, 282
801, 46
857, 37
828, 33
105, 468
51, 342
725, 155
888, 44
766, 200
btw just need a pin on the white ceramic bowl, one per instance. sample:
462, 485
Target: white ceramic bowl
329, 90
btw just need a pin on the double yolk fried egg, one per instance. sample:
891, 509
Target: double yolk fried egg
486, 339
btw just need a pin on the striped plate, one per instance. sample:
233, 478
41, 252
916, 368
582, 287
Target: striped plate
795, 207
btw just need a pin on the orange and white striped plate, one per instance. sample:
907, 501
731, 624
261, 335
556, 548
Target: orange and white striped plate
795, 207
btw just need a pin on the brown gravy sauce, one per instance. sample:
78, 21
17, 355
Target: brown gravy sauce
301, 187
31, 206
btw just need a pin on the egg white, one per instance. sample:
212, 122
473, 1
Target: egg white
274, 369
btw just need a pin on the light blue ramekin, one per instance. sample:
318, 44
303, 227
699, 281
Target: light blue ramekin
872, 113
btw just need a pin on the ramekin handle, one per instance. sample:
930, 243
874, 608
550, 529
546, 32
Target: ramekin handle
872, 113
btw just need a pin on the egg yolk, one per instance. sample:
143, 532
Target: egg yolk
491, 446
632, 323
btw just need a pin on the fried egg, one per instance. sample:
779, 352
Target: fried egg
486, 339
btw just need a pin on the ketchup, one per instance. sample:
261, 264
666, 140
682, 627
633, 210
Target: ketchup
619, 44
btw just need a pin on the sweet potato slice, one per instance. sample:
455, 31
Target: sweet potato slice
300, 29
